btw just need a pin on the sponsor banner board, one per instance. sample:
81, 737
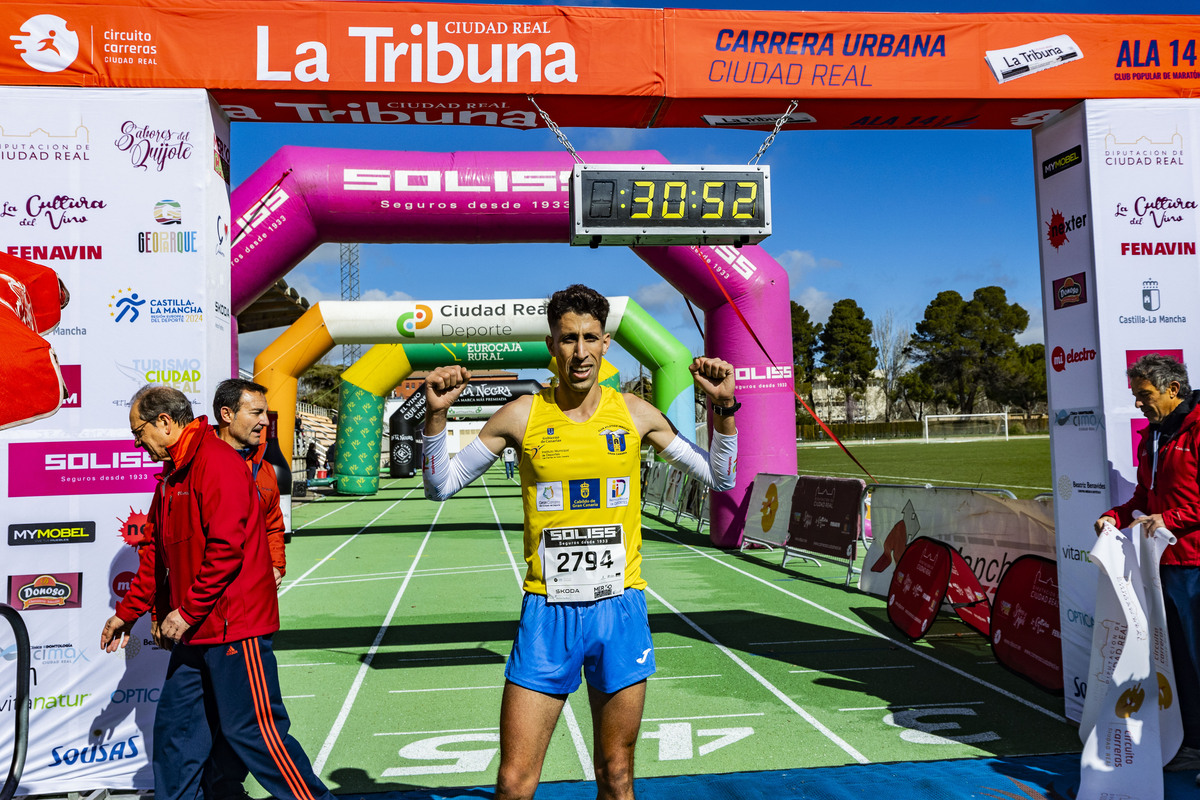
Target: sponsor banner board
989, 531
122, 192
826, 515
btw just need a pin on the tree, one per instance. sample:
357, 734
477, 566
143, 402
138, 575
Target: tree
805, 346
1020, 380
847, 353
321, 385
890, 339
966, 342
921, 392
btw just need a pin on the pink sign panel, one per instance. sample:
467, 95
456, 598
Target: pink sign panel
73, 381
1132, 356
39, 469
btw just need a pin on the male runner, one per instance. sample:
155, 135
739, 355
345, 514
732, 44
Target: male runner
580, 447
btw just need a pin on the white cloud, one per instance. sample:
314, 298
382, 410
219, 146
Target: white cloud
1034, 333
380, 294
818, 303
610, 139
660, 297
800, 263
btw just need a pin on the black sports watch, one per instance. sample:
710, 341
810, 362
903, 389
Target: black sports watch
726, 411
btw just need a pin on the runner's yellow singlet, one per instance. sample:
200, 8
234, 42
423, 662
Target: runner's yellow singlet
581, 490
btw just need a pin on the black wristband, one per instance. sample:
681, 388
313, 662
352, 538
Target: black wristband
726, 411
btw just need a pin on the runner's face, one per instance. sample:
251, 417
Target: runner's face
1154, 404
247, 425
579, 343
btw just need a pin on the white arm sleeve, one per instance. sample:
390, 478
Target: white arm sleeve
717, 467
443, 475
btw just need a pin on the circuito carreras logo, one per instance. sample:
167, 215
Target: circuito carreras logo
1130, 702
47, 43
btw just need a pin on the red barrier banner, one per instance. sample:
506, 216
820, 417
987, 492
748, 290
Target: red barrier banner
1025, 624
919, 586
965, 595
826, 514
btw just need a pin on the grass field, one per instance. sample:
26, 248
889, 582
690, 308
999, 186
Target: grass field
1021, 465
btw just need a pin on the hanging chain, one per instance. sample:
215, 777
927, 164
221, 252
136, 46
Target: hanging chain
779, 123
557, 131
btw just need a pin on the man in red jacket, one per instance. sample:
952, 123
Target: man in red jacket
240, 411
209, 566
1168, 496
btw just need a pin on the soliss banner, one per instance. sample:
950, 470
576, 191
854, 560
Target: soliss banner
1131, 724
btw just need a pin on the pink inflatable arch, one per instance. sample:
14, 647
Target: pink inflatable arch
302, 197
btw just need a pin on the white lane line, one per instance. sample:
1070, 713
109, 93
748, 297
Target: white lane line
344, 714
327, 582
809, 718
894, 706
939, 481
851, 669
421, 572
341, 507
674, 647
867, 629
297, 696
335, 550
443, 689
426, 733
802, 641
705, 716
314, 664
585, 758
679, 677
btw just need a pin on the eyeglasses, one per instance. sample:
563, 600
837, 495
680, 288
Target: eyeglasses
137, 432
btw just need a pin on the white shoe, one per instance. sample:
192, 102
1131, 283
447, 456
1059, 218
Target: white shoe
1186, 760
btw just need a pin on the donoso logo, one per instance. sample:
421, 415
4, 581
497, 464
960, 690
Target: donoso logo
1059, 358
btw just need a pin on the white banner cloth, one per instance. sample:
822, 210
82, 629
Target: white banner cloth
1125, 742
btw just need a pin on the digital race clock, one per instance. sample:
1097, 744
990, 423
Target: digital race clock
660, 204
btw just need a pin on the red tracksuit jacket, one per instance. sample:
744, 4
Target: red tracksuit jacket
1176, 489
210, 539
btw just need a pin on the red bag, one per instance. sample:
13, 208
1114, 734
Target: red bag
31, 299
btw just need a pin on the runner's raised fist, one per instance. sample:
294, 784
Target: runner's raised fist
443, 386
714, 377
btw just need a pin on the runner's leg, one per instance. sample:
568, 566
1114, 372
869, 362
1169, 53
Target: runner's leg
616, 720
527, 720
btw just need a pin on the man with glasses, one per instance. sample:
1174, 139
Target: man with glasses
207, 572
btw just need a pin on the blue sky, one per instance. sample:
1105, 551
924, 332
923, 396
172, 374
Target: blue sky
888, 218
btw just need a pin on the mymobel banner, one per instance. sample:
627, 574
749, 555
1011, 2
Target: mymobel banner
124, 193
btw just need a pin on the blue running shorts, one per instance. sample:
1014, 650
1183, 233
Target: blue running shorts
609, 639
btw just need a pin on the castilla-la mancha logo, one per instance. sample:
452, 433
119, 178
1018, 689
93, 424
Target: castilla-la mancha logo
46, 43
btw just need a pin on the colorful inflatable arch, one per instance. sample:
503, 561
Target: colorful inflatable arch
302, 197
366, 383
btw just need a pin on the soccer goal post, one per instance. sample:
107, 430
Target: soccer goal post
944, 427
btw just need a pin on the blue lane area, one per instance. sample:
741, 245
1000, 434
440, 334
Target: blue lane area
1045, 777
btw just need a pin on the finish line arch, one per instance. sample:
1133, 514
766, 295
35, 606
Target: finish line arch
304, 196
